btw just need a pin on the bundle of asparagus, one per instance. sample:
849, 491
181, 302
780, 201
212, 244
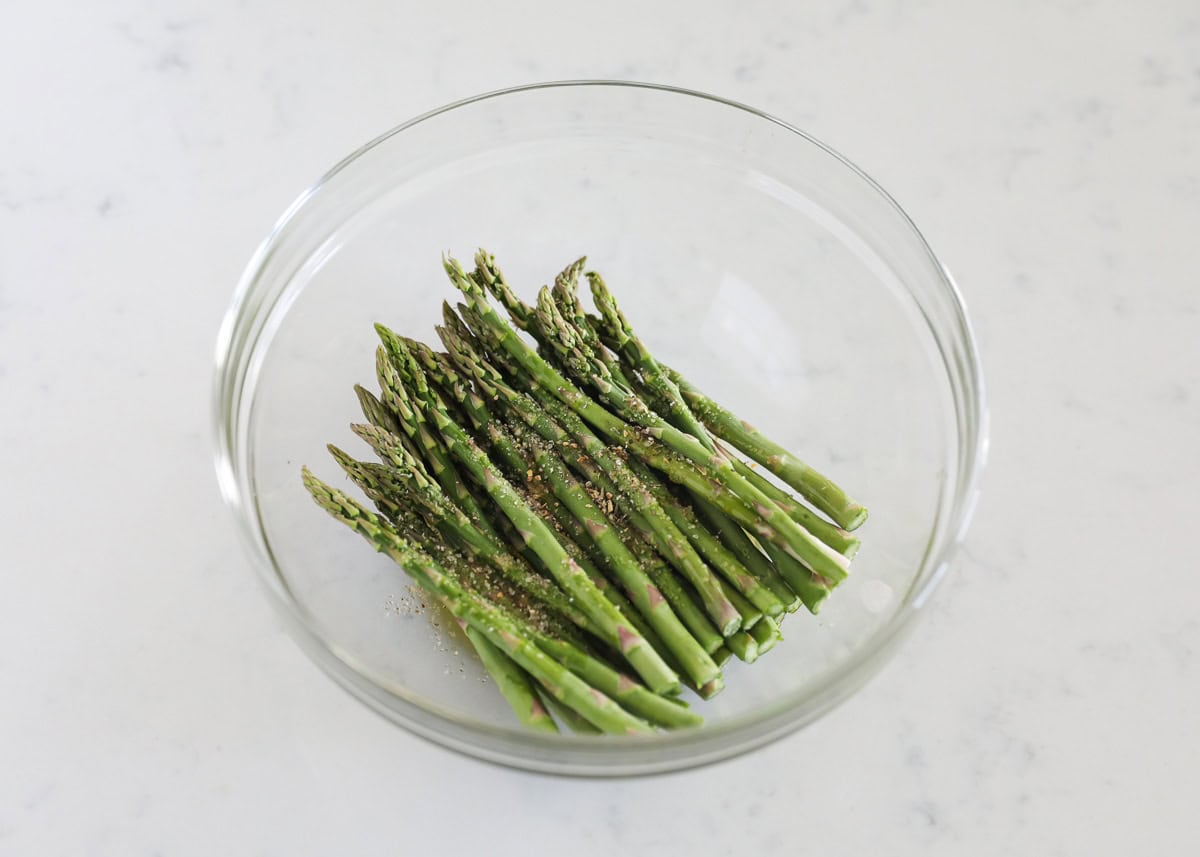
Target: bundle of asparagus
574, 504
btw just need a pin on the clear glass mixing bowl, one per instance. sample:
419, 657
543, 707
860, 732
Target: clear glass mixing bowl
765, 266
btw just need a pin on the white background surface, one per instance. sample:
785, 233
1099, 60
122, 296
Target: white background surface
152, 705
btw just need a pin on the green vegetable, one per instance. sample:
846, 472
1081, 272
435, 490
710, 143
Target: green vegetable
574, 507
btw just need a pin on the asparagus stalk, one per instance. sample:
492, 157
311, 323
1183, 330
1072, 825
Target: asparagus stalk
708, 546
568, 529
749, 613
377, 414
711, 689
450, 519
815, 587
614, 476
570, 532
775, 524
570, 719
560, 426
488, 275
512, 467
635, 697
662, 392
799, 578
512, 682
681, 599
751, 558
743, 646
831, 534
664, 402
641, 591
766, 634
811, 584
683, 602
615, 627
577, 346
640, 539
442, 373
811, 587
434, 454
818, 489
638, 699
595, 706
666, 396
631, 348
613, 330
655, 708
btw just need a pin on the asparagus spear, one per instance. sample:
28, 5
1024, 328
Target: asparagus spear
775, 524
511, 681
665, 395
436, 432
831, 534
743, 646
452, 385
488, 275
527, 700
434, 454
476, 577
750, 614
799, 578
818, 489
596, 707
570, 451
680, 600
644, 594
450, 519
618, 333
635, 697
766, 634
640, 539
678, 596
708, 546
607, 618
568, 529
377, 414
443, 375
711, 689
564, 317
740, 544
560, 426
575, 342
631, 348
815, 587
661, 401
685, 606
565, 648
811, 587
722, 656
570, 719
655, 708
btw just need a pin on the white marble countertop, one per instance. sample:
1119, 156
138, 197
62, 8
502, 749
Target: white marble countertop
153, 705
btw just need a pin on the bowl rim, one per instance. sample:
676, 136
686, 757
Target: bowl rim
589, 756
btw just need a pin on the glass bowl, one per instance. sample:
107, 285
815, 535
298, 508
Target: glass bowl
771, 271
